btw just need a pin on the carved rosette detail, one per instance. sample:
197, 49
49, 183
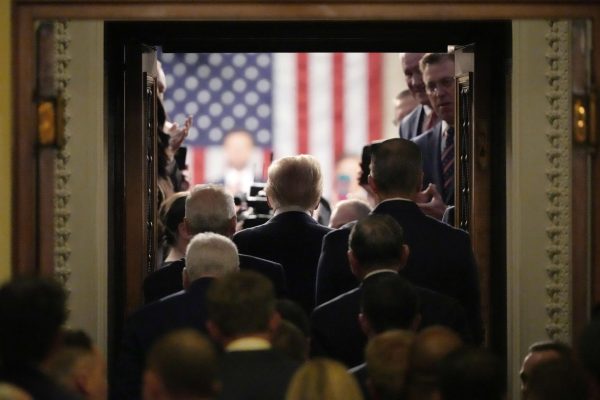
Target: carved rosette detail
62, 192
558, 156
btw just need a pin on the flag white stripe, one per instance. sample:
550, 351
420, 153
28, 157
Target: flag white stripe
356, 81
285, 112
320, 126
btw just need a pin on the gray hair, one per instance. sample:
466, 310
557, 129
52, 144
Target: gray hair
295, 181
210, 254
209, 208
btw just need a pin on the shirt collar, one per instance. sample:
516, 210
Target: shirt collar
248, 344
282, 210
379, 271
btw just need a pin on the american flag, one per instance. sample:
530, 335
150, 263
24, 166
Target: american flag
324, 104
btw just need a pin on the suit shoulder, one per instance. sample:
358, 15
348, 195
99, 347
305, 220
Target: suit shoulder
338, 301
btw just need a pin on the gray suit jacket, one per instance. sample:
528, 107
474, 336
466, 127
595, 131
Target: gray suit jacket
430, 143
410, 126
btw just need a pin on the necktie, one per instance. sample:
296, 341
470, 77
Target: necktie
448, 161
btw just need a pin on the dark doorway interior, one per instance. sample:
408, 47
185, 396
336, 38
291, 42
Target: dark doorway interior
492, 41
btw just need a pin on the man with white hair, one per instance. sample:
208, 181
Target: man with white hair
208, 208
209, 256
292, 237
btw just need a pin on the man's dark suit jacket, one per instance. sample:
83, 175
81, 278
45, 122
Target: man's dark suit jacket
440, 259
410, 126
256, 374
168, 280
336, 332
292, 239
186, 309
430, 143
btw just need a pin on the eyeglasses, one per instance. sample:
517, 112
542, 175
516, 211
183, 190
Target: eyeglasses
434, 86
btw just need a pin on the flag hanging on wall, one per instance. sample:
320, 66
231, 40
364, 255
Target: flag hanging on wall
324, 104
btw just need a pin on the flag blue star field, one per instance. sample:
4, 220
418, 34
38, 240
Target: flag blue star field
324, 104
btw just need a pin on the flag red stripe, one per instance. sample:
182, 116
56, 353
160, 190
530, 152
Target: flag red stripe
267, 160
198, 165
375, 93
338, 106
302, 96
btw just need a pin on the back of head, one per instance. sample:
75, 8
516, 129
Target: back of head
31, 313
295, 181
429, 348
387, 358
10, 392
210, 255
295, 314
471, 374
396, 167
209, 208
557, 379
347, 211
241, 304
389, 302
185, 362
562, 349
171, 214
79, 366
377, 241
323, 379
290, 340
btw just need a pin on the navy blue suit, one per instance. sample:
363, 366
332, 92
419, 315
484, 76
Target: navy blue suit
186, 309
430, 143
336, 332
292, 239
441, 259
410, 126
168, 280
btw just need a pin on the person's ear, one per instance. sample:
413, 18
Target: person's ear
372, 184
186, 231
232, 225
354, 265
182, 231
420, 181
274, 322
365, 325
213, 331
416, 322
405, 254
185, 278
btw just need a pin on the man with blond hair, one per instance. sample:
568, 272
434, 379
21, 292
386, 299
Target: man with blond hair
208, 208
209, 256
292, 237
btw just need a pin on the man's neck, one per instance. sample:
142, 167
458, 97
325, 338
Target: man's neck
397, 196
254, 341
379, 270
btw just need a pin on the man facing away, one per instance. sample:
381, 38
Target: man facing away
208, 208
292, 237
209, 256
242, 318
441, 258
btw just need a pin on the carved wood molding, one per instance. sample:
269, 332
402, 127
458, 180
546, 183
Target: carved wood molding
62, 191
558, 171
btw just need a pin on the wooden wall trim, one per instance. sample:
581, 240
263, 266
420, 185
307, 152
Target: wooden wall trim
422, 11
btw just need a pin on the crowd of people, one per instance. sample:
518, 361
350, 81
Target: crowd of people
383, 304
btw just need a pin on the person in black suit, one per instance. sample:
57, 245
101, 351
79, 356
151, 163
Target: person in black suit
32, 312
377, 252
181, 366
441, 257
242, 318
437, 143
208, 208
422, 117
292, 237
209, 256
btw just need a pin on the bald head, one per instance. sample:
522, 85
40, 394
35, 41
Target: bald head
431, 345
347, 211
209, 208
